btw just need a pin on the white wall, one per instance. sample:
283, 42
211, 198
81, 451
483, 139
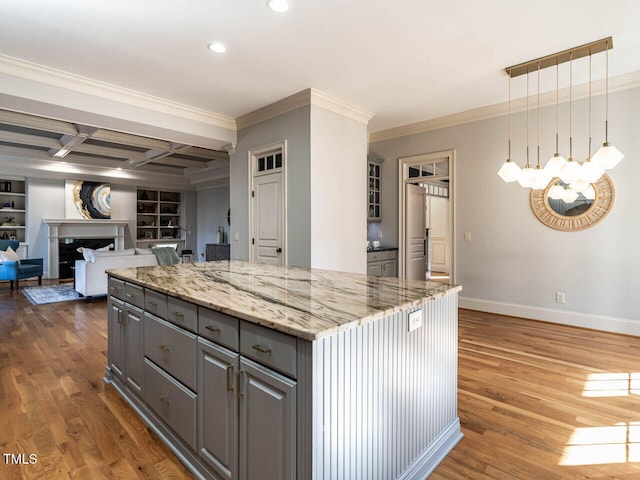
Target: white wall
213, 205
515, 264
294, 128
338, 192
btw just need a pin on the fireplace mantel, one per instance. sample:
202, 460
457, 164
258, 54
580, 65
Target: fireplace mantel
81, 228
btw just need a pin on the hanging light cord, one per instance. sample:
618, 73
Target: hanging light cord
509, 157
589, 151
538, 114
528, 165
571, 106
606, 94
557, 106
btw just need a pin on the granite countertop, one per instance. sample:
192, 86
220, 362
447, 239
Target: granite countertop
306, 303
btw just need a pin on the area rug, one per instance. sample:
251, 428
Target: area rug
50, 294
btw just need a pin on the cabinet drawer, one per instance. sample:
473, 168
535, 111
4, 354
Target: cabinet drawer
116, 288
156, 303
219, 327
390, 255
182, 313
172, 402
172, 348
374, 256
271, 348
134, 294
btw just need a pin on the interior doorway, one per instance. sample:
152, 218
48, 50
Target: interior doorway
267, 211
432, 174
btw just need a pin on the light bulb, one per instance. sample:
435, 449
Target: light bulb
527, 177
554, 165
570, 171
509, 171
607, 156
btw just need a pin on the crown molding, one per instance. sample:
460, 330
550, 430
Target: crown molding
58, 78
616, 84
309, 96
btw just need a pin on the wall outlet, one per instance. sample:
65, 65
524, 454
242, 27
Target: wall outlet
415, 320
379, 234
236, 236
560, 297
467, 236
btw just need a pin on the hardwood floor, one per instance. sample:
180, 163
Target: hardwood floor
522, 401
544, 401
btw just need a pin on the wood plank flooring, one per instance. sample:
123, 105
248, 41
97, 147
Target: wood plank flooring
521, 402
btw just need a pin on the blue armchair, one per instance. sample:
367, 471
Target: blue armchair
16, 271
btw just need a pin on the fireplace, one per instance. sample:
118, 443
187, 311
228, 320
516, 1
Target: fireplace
62, 230
68, 253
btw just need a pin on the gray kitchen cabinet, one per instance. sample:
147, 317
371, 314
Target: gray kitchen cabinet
218, 408
382, 263
267, 419
374, 268
125, 343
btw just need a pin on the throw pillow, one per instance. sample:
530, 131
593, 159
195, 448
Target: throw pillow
143, 251
89, 253
9, 256
113, 253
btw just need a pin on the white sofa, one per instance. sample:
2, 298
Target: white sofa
90, 277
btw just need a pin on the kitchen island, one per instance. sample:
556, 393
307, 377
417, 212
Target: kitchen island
253, 371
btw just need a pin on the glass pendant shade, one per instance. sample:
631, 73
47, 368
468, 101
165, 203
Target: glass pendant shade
554, 165
540, 179
590, 172
607, 157
589, 193
510, 171
569, 196
556, 192
580, 185
526, 177
570, 171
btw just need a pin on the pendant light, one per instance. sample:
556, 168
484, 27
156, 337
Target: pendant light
526, 177
590, 171
540, 177
556, 162
570, 171
608, 156
510, 171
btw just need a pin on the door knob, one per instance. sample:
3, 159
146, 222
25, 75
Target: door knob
278, 250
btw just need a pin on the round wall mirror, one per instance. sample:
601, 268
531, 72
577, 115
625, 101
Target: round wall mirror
559, 206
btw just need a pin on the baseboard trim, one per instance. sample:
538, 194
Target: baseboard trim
624, 326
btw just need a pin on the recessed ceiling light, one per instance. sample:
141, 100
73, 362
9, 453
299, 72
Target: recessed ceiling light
278, 6
217, 47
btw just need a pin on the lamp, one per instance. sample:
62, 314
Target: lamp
510, 171
608, 156
569, 170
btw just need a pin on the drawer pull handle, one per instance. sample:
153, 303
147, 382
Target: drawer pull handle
239, 393
130, 295
178, 314
261, 349
164, 348
229, 380
121, 319
153, 304
213, 329
165, 401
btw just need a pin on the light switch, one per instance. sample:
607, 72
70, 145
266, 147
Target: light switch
467, 236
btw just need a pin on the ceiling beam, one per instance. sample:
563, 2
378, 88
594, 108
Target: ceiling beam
26, 139
38, 123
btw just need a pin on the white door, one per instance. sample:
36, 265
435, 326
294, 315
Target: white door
415, 233
268, 214
439, 230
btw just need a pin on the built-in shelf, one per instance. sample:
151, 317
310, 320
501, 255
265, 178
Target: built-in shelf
13, 208
159, 217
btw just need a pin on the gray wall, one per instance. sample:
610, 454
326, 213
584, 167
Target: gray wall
515, 264
294, 128
213, 205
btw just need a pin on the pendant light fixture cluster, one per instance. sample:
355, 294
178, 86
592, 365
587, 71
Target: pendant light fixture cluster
577, 177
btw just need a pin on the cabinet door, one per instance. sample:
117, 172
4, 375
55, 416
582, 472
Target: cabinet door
116, 341
267, 423
374, 269
133, 348
389, 268
218, 408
